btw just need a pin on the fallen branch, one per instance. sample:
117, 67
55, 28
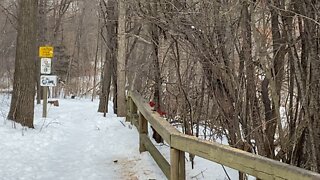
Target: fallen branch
201, 173
123, 124
90, 89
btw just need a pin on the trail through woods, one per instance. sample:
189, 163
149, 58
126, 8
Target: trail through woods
76, 142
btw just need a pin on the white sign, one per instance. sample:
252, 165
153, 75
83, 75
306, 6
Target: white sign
48, 80
45, 66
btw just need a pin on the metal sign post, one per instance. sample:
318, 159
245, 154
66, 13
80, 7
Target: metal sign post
45, 102
46, 53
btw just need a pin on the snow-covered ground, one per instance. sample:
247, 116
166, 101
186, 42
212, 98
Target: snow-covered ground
75, 142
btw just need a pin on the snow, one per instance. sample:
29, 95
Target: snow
75, 142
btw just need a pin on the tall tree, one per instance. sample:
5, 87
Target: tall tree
42, 40
108, 11
22, 103
121, 73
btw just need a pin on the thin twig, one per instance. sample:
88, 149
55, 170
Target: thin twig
201, 173
53, 122
225, 171
123, 124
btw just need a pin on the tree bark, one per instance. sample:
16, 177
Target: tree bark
121, 70
42, 41
96, 59
22, 103
108, 10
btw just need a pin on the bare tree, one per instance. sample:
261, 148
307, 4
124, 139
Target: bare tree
109, 14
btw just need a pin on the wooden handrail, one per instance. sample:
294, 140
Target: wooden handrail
255, 165
252, 164
162, 126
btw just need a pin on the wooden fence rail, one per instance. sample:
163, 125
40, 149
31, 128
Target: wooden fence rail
140, 114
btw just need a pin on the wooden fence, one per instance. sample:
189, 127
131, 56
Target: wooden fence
140, 114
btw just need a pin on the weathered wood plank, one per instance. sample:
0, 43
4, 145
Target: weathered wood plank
157, 156
135, 120
252, 164
128, 114
143, 130
182, 166
163, 127
174, 164
132, 108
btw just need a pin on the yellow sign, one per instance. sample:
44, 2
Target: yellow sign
46, 52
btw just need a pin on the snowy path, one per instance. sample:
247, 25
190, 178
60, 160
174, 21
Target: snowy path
77, 143
74, 143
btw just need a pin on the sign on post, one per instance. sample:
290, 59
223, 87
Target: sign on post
48, 80
45, 66
46, 51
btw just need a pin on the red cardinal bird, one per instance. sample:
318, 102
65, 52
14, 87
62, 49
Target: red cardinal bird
161, 113
152, 104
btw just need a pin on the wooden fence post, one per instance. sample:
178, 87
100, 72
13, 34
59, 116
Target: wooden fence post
133, 110
177, 164
182, 166
174, 164
143, 129
129, 114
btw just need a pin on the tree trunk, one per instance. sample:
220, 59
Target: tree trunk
105, 85
41, 42
154, 31
312, 31
111, 50
96, 59
22, 103
121, 71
